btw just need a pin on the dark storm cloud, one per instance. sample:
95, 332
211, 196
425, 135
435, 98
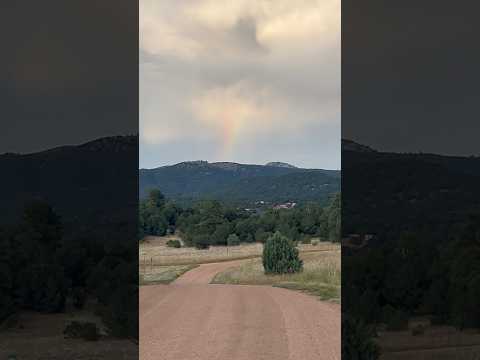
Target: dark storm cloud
410, 75
69, 72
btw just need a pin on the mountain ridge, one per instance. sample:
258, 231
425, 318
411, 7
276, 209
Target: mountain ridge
71, 177
240, 182
392, 192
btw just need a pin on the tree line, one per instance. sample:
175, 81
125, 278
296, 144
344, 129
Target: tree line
44, 268
210, 222
418, 272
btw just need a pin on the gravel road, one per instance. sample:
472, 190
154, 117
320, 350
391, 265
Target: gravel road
191, 319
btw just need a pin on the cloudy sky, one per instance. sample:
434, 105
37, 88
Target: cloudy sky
249, 81
410, 82
71, 77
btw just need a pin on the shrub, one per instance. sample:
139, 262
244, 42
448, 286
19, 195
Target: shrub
397, 321
79, 297
262, 236
358, 340
314, 242
280, 256
201, 241
201, 246
306, 240
233, 240
81, 330
387, 312
418, 330
174, 244
438, 320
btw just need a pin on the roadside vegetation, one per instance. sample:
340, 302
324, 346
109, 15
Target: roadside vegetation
153, 251
280, 256
320, 276
296, 248
155, 275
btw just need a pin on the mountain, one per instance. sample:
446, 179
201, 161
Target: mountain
274, 182
350, 145
391, 192
95, 180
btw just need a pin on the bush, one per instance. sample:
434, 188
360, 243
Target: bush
358, 340
79, 297
201, 242
397, 321
314, 242
233, 240
262, 236
280, 256
418, 330
81, 330
174, 243
439, 320
306, 240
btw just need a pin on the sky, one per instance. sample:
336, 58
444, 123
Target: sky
250, 81
410, 75
68, 73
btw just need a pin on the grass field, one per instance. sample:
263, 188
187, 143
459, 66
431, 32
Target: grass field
160, 264
37, 336
436, 343
154, 252
151, 275
320, 277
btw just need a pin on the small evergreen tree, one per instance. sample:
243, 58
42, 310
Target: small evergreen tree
358, 340
280, 256
233, 240
174, 244
201, 241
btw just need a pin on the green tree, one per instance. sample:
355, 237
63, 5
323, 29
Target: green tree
221, 234
358, 340
7, 305
233, 240
280, 256
155, 199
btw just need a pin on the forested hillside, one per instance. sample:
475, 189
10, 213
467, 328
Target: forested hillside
274, 182
423, 211
71, 179
68, 231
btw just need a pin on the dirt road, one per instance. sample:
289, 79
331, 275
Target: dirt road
194, 320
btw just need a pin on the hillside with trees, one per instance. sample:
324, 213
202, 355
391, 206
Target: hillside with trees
188, 182
68, 232
422, 211
209, 223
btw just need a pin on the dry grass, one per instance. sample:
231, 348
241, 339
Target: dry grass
454, 353
320, 277
38, 336
154, 252
438, 342
151, 275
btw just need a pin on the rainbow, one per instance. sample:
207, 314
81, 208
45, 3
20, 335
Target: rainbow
230, 130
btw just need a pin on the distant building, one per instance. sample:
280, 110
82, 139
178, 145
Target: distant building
288, 205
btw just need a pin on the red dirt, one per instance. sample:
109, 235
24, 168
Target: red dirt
194, 320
